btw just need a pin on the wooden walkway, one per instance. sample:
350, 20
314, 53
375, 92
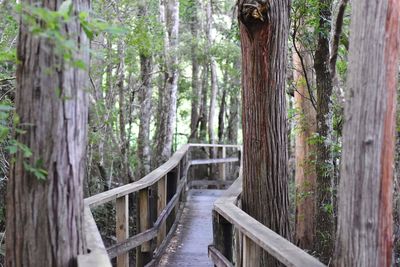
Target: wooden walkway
189, 245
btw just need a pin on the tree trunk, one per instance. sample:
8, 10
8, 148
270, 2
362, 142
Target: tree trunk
264, 30
145, 100
305, 175
203, 109
124, 142
45, 215
325, 227
214, 86
169, 16
196, 88
364, 236
234, 106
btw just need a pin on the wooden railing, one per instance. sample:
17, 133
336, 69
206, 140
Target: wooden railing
170, 181
237, 237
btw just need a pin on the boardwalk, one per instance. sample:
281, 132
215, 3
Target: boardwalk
189, 245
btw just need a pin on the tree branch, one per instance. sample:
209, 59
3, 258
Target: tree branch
336, 36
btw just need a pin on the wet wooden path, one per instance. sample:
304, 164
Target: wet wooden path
189, 245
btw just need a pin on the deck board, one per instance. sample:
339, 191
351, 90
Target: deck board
189, 245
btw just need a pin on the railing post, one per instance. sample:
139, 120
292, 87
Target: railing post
223, 236
161, 203
143, 255
122, 227
223, 165
251, 253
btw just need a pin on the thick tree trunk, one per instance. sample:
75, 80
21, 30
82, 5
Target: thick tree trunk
364, 236
264, 30
169, 16
325, 227
305, 175
45, 216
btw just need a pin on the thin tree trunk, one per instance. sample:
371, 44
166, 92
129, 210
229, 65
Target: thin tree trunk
45, 216
325, 227
364, 236
264, 30
305, 175
196, 92
145, 100
203, 109
234, 106
124, 143
169, 16
214, 86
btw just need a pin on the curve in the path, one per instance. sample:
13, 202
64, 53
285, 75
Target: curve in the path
188, 247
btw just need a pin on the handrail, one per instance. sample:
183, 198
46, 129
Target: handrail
170, 179
250, 229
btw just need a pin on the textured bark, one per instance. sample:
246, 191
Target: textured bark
196, 87
143, 152
44, 218
305, 174
324, 214
124, 142
264, 32
234, 106
169, 17
364, 236
203, 108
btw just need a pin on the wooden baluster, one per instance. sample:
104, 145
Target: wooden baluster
122, 227
143, 255
223, 165
223, 236
251, 253
161, 203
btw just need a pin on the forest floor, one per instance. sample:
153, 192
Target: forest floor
189, 246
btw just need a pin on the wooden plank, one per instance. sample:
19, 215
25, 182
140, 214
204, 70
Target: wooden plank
274, 244
94, 258
251, 253
212, 161
222, 167
131, 243
145, 182
144, 220
214, 145
207, 183
170, 206
232, 194
151, 178
161, 203
97, 255
218, 259
122, 227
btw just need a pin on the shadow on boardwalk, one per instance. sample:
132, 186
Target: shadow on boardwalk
189, 245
